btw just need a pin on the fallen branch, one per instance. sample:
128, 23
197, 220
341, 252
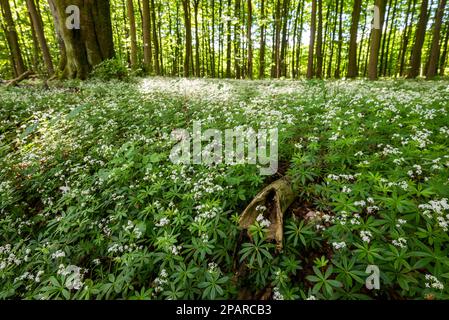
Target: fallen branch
276, 197
20, 78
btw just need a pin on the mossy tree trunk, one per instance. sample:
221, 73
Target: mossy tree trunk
89, 45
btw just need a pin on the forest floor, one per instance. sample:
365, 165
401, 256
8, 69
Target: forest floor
91, 206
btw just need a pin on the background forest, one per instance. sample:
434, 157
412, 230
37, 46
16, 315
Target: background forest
233, 38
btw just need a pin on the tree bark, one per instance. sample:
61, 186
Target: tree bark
319, 42
132, 29
146, 25
376, 35
250, 43
340, 41
188, 26
12, 39
262, 42
436, 48
92, 43
445, 51
352, 62
310, 65
415, 61
37, 25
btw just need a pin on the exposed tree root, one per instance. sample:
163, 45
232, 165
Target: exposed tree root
22, 77
276, 197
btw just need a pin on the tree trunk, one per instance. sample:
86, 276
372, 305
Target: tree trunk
352, 60
12, 39
277, 41
196, 4
435, 49
37, 25
415, 61
310, 65
228, 42
406, 36
445, 51
250, 43
146, 25
157, 68
92, 43
376, 35
319, 42
132, 28
340, 41
262, 42
188, 26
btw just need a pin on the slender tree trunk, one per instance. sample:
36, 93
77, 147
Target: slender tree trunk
436, 48
37, 24
157, 68
188, 46
284, 40
228, 42
376, 35
352, 63
340, 41
298, 50
310, 65
196, 4
391, 32
13, 39
334, 30
415, 61
277, 42
319, 42
133, 34
384, 38
146, 25
262, 42
92, 43
445, 51
406, 36
250, 43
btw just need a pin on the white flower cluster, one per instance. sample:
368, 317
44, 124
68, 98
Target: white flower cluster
366, 236
74, 276
433, 282
7, 257
437, 209
417, 172
400, 242
277, 294
58, 254
162, 222
161, 281
339, 245
206, 212
400, 223
262, 221
133, 229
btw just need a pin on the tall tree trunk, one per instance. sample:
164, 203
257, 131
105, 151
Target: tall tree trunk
384, 38
12, 39
415, 61
319, 42
284, 40
340, 41
436, 48
157, 68
391, 31
277, 41
298, 50
376, 35
146, 25
262, 42
228, 42
250, 43
237, 39
352, 59
188, 26
132, 29
334, 30
445, 51
406, 36
310, 65
37, 25
196, 4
